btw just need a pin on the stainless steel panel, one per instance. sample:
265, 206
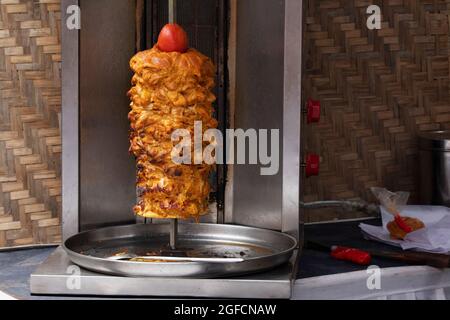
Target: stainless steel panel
268, 96
107, 171
292, 117
70, 137
260, 250
257, 200
59, 276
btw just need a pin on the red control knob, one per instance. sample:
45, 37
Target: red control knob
313, 111
312, 165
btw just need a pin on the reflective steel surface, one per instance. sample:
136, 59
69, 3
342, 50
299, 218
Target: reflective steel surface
268, 95
59, 276
70, 124
107, 176
257, 200
435, 168
261, 250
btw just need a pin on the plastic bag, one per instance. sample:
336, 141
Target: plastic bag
391, 201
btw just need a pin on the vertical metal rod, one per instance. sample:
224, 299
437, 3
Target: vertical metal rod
172, 11
173, 222
173, 233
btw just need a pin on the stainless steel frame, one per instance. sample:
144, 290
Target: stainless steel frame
268, 95
98, 173
70, 134
293, 39
266, 202
58, 276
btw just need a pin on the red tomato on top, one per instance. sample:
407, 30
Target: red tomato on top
173, 38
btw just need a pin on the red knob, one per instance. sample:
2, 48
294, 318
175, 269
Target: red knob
312, 167
313, 111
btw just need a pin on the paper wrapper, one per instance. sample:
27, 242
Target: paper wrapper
435, 237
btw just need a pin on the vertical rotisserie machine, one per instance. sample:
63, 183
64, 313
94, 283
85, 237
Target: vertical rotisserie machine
258, 53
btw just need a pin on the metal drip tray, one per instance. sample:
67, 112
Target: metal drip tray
260, 250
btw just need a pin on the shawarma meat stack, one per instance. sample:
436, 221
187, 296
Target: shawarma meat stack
171, 90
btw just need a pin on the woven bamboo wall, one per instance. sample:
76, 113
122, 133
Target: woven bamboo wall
378, 89
30, 108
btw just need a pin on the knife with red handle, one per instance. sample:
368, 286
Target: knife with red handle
358, 256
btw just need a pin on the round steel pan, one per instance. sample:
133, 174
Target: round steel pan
261, 250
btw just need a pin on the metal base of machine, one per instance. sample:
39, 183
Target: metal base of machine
59, 276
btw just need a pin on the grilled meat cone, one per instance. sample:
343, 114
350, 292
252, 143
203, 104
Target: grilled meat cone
171, 91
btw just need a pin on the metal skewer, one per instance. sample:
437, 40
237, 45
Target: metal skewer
173, 233
172, 11
173, 222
